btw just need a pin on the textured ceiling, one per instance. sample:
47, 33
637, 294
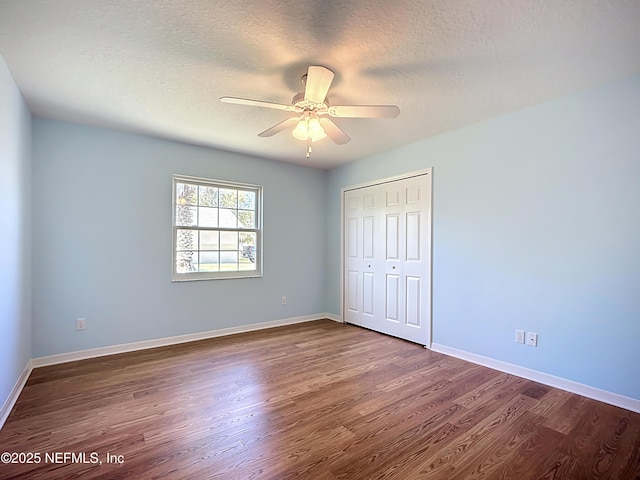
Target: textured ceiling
159, 67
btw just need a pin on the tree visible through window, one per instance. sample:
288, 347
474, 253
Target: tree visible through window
216, 229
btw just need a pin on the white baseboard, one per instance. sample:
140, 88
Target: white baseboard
163, 342
15, 393
544, 378
335, 318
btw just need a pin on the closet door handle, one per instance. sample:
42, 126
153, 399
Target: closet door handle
394, 267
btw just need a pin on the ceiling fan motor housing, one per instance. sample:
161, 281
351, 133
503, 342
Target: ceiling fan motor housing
299, 101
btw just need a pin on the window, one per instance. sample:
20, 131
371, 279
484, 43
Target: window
217, 229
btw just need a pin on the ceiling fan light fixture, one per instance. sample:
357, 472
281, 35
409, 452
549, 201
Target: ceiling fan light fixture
301, 132
316, 132
309, 128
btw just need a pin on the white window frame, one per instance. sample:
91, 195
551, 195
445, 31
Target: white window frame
217, 275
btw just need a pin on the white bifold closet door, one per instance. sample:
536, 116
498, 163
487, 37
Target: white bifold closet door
387, 254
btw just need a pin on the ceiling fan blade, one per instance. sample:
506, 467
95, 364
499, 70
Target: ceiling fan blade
334, 132
258, 103
289, 122
318, 82
364, 111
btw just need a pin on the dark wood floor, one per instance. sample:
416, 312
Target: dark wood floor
311, 401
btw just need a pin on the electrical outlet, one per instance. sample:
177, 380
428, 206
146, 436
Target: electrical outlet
520, 336
284, 300
81, 323
532, 339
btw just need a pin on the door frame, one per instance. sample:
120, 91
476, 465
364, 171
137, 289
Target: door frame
428, 172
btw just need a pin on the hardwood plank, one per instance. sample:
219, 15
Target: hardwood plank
317, 400
473, 446
599, 437
488, 462
557, 466
400, 456
541, 444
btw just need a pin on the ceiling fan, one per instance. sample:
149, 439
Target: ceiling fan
312, 109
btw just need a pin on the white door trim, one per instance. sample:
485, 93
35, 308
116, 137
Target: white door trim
425, 171
415, 173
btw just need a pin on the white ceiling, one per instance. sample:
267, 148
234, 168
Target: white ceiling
159, 67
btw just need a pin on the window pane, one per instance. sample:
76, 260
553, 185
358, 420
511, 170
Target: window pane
186, 262
186, 240
246, 265
186, 194
209, 240
208, 217
209, 262
229, 241
247, 250
247, 239
246, 219
228, 198
246, 200
208, 196
228, 218
186, 216
229, 261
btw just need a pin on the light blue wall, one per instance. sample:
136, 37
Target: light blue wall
536, 226
15, 246
102, 240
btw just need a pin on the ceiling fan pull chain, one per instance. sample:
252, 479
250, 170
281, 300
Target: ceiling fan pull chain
308, 147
